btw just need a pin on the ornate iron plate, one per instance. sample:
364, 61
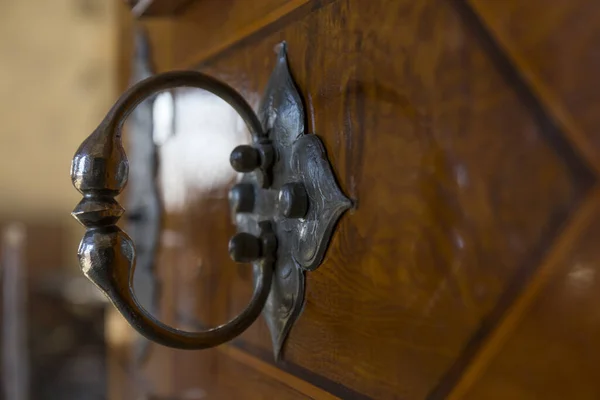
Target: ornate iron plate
301, 198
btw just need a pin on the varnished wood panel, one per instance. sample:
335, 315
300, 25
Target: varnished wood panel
210, 26
209, 374
217, 375
222, 368
460, 186
552, 44
202, 269
548, 347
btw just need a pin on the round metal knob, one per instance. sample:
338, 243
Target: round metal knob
242, 198
245, 248
293, 200
245, 158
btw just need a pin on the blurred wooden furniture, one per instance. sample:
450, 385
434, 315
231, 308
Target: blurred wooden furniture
15, 354
467, 133
52, 330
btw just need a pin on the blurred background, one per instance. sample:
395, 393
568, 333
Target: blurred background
63, 64
57, 79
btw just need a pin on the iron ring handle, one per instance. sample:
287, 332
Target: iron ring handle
107, 254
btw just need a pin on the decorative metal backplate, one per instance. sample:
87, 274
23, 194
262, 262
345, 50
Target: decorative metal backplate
301, 198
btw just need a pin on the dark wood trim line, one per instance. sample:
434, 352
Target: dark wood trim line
319, 381
583, 179
326, 384
275, 21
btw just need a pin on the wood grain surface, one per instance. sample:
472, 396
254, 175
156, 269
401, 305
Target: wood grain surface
465, 132
461, 184
197, 36
548, 346
553, 45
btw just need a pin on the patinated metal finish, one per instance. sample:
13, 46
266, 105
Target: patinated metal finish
285, 207
107, 255
303, 200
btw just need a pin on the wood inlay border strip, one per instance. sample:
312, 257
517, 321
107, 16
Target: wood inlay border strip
298, 384
557, 237
545, 94
335, 389
518, 309
252, 29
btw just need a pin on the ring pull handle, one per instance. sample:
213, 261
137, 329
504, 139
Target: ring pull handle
107, 254
285, 207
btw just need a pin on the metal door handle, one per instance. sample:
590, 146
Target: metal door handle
107, 255
308, 200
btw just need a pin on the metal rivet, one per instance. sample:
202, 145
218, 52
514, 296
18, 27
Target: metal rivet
242, 198
245, 158
245, 248
293, 200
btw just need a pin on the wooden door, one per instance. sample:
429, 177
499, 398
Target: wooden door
466, 133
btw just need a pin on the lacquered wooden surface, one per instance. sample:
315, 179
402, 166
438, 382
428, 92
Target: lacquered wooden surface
216, 375
546, 346
454, 205
549, 348
471, 179
210, 26
556, 54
